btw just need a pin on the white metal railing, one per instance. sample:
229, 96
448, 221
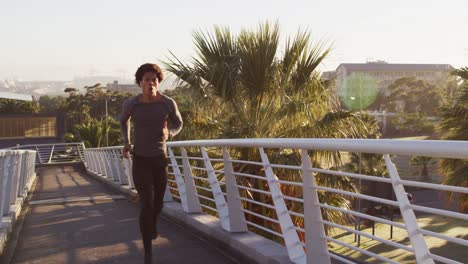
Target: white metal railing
56, 152
16, 177
204, 176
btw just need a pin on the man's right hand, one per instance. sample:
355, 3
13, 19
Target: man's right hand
126, 150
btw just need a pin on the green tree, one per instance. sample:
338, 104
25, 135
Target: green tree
424, 162
410, 95
454, 126
239, 87
81, 108
51, 104
10, 106
91, 133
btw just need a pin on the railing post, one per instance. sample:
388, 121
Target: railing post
193, 203
236, 215
79, 151
94, 160
128, 171
89, 160
10, 169
113, 165
23, 174
31, 167
39, 155
15, 177
3, 177
99, 163
218, 195
167, 194
120, 167
316, 244
179, 180
291, 239
421, 251
103, 163
107, 164
51, 154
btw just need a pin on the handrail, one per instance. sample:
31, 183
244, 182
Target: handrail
54, 153
192, 177
16, 177
429, 148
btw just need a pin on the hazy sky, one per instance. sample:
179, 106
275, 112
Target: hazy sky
60, 39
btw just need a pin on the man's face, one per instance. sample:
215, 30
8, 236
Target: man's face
149, 84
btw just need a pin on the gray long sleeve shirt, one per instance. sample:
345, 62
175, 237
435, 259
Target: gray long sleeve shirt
149, 122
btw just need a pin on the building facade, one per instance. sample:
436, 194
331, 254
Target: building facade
116, 86
386, 73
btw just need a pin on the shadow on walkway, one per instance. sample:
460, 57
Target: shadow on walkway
103, 231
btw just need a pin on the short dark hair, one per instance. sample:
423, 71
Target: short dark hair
148, 67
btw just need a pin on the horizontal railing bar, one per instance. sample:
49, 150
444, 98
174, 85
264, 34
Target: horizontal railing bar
362, 196
216, 160
441, 187
292, 167
260, 216
50, 144
209, 208
195, 158
368, 236
201, 158
247, 162
200, 178
250, 175
299, 229
206, 198
352, 175
258, 203
456, 149
264, 229
333, 256
445, 237
439, 212
291, 183
296, 214
378, 219
203, 188
384, 259
444, 260
198, 168
293, 199
252, 189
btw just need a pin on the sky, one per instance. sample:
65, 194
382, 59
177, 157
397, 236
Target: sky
64, 39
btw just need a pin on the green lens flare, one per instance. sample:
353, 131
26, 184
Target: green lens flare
358, 91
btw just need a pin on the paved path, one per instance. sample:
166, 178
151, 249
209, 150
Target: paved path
99, 230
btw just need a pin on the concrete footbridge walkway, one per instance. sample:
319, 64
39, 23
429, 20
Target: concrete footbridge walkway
74, 218
64, 203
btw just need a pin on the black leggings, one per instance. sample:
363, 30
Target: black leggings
150, 178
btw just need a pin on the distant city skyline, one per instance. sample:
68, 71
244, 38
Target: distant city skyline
61, 40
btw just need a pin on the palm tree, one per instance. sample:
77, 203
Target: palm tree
11, 106
424, 162
244, 86
454, 126
91, 133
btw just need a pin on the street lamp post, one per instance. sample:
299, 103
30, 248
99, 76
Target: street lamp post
357, 224
107, 119
107, 128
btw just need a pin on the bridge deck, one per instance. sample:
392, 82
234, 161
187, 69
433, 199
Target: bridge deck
99, 230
